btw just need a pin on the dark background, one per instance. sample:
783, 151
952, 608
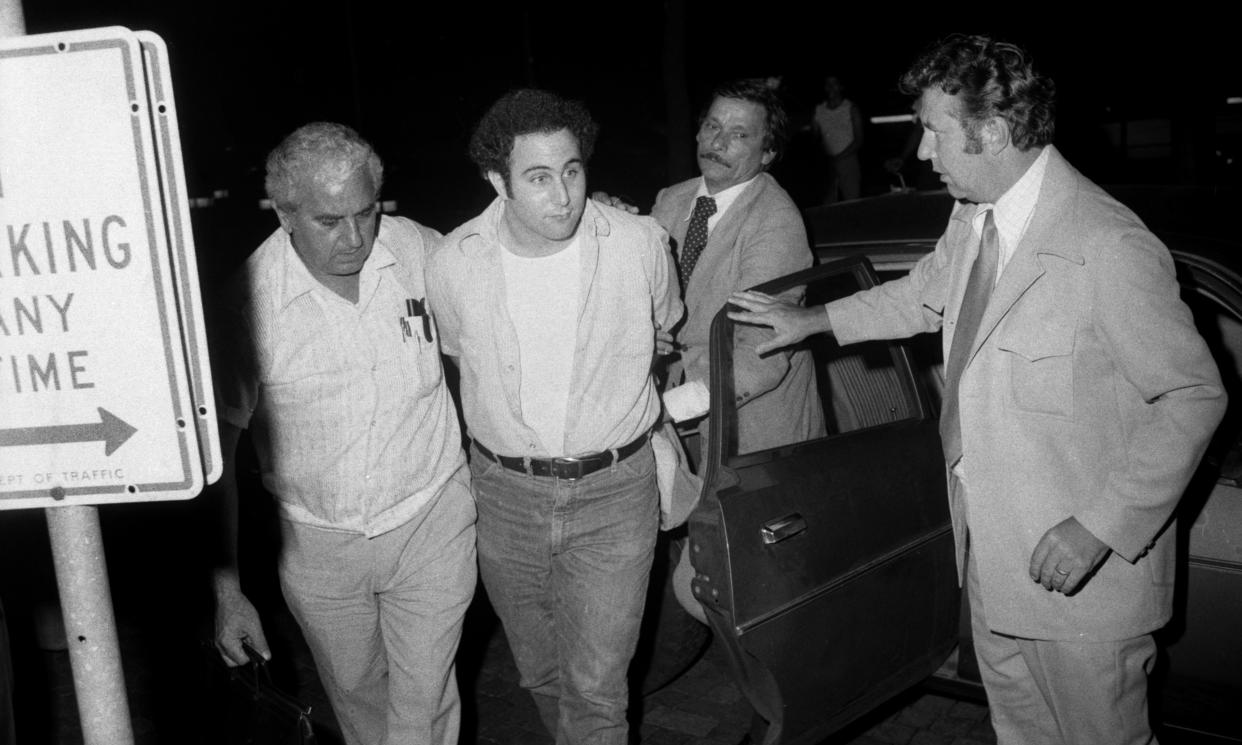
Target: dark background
1142, 99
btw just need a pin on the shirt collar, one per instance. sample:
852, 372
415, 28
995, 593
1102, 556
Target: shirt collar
724, 198
487, 225
299, 281
1012, 212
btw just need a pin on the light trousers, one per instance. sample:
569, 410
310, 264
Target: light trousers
383, 618
1056, 692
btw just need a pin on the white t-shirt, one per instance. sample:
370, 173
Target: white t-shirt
542, 299
835, 126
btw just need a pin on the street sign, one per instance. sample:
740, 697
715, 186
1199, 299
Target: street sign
104, 390
181, 243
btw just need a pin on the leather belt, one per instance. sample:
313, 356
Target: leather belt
564, 468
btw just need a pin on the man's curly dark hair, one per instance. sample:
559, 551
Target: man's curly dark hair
757, 91
526, 111
990, 78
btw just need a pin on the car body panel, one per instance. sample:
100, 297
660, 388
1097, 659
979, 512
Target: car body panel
811, 558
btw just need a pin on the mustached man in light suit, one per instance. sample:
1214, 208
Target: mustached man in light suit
1079, 398
752, 233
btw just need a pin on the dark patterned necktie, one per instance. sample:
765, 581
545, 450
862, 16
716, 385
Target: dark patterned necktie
696, 236
974, 303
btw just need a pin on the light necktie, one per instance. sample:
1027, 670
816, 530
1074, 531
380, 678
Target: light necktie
696, 237
974, 303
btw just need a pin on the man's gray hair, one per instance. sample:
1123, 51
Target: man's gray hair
327, 151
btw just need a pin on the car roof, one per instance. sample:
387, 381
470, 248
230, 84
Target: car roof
906, 217
902, 226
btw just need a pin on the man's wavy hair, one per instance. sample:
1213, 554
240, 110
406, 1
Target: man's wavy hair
990, 78
527, 111
326, 151
757, 91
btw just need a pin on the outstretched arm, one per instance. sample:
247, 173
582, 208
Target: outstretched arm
791, 322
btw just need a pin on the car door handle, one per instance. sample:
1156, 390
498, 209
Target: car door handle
775, 531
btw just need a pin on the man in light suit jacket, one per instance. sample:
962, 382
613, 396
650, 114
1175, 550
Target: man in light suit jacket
752, 233
1074, 414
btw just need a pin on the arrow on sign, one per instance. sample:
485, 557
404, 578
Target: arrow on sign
113, 430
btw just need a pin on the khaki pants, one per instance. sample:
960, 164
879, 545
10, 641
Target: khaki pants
1062, 692
383, 618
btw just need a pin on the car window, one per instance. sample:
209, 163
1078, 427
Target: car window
860, 385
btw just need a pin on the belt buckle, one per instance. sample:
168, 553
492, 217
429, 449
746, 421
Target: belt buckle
558, 463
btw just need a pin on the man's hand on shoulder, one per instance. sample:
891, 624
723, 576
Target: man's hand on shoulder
605, 198
1066, 556
791, 322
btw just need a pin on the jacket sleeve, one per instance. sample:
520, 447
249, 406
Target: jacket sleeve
1174, 399
666, 305
897, 309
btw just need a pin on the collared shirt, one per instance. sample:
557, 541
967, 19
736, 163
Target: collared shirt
724, 199
628, 289
352, 422
1012, 212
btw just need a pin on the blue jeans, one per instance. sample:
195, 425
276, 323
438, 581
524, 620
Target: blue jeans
566, 565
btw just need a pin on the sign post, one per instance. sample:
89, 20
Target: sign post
90, 626
12, 22
105, 393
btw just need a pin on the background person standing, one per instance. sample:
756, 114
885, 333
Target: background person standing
838, 124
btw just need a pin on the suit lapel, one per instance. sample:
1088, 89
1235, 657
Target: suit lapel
1042, 236
680, 222
721, 240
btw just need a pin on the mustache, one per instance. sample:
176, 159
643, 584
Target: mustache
709, 155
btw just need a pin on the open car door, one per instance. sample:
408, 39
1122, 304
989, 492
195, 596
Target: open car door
826, 567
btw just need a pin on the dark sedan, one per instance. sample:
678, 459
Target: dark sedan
827, 568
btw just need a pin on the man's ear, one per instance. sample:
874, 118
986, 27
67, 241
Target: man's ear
286, 220
767, 157
995, 134
498, 183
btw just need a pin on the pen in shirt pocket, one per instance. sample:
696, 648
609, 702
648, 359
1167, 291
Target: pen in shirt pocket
407, 321
419, 309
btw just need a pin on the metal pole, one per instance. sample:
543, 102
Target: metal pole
90, 628
12, 22
82, 577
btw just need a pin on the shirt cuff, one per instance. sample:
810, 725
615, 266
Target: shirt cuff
687, 401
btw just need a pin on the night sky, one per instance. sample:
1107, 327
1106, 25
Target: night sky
414, 80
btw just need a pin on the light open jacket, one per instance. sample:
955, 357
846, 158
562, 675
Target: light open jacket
1088, 393
760, 237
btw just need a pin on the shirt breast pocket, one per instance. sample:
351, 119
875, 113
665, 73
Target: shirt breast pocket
415, 363
1040, 360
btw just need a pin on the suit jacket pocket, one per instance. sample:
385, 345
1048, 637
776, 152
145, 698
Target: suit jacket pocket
1041, 365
